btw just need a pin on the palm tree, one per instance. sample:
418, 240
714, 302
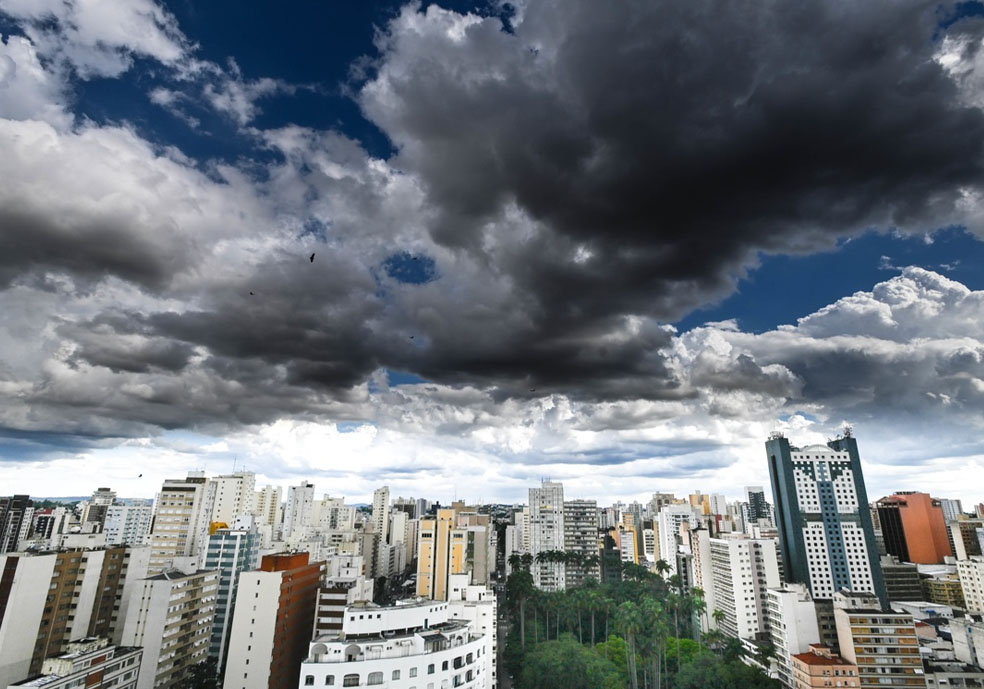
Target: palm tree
630, 623
662, 567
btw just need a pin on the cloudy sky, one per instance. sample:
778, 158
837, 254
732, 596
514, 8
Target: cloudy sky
613, 244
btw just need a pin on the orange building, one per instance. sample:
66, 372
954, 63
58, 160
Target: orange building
914, 528
822, 667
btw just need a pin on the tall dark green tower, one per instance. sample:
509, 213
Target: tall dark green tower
825, 529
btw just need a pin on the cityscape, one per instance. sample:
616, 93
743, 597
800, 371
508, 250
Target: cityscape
491, 344
222, 582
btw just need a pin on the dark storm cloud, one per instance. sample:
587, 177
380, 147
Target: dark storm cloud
668, 142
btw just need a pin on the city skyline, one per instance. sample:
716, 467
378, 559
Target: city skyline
455, 247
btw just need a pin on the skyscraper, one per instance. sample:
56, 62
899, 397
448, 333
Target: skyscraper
181, 520
547, 533
825, 529
914, 528
13, 513
297, 514
230, 552
234, 496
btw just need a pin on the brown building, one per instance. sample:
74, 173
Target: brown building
49, 599
273, 622
944, 590
822, 667
914, 528
882, 643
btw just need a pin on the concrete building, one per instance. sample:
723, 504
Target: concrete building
791, 619
944, 589
181, 521
129, 524
902, 581
415, 644
344, 583
547, 534
758, 506
273, 622
669, 520
267, 508
581, 537
965, 537
171, 616
825, 527
49, 599
453, 543
234, 496
742, 570
952, 509
230, 553
477, 604
92, 663
968, 639
971, 573
821, 667
15, 512
882, 643
914, 527
298, 511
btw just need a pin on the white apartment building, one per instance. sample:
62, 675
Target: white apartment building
298, 512
971, 573
267, 507
477, 604
170, 616
129, 524
742, 570
181, 521
414, 644
234, 496
670, 519
792, 623
547, 533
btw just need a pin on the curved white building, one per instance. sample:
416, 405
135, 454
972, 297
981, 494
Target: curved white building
414, 645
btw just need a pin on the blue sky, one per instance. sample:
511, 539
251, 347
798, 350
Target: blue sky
549, 238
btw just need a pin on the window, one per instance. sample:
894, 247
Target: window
350, 680
396, 674
413, 672
330, 680
430, 669
444, 665
309, 680
375, 678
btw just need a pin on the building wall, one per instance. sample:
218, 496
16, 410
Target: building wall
914, 528
883, 645
971, 573
251, 640
24, 585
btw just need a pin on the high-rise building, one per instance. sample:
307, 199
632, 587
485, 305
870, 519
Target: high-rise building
380, 512
964, 537
49, 599
968, 640
15, 511
825, 527
971, 572
882, 643
170, 616
914, 527
658, 502
758, 506
130, 523
742, 571
297, 513
450, 543
181, 521
412, 644
952, 509
581, 537
266, 507
670, 519
230, 553
92, 663
944, 589
547, 534
791, 619
234, 496
94, 509
477, 604
273, 622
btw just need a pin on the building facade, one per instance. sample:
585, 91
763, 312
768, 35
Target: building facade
170, 617
92, 663
914, 528
547, 534
273, 621
825, 528
181, 521
416, 644
230, 552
